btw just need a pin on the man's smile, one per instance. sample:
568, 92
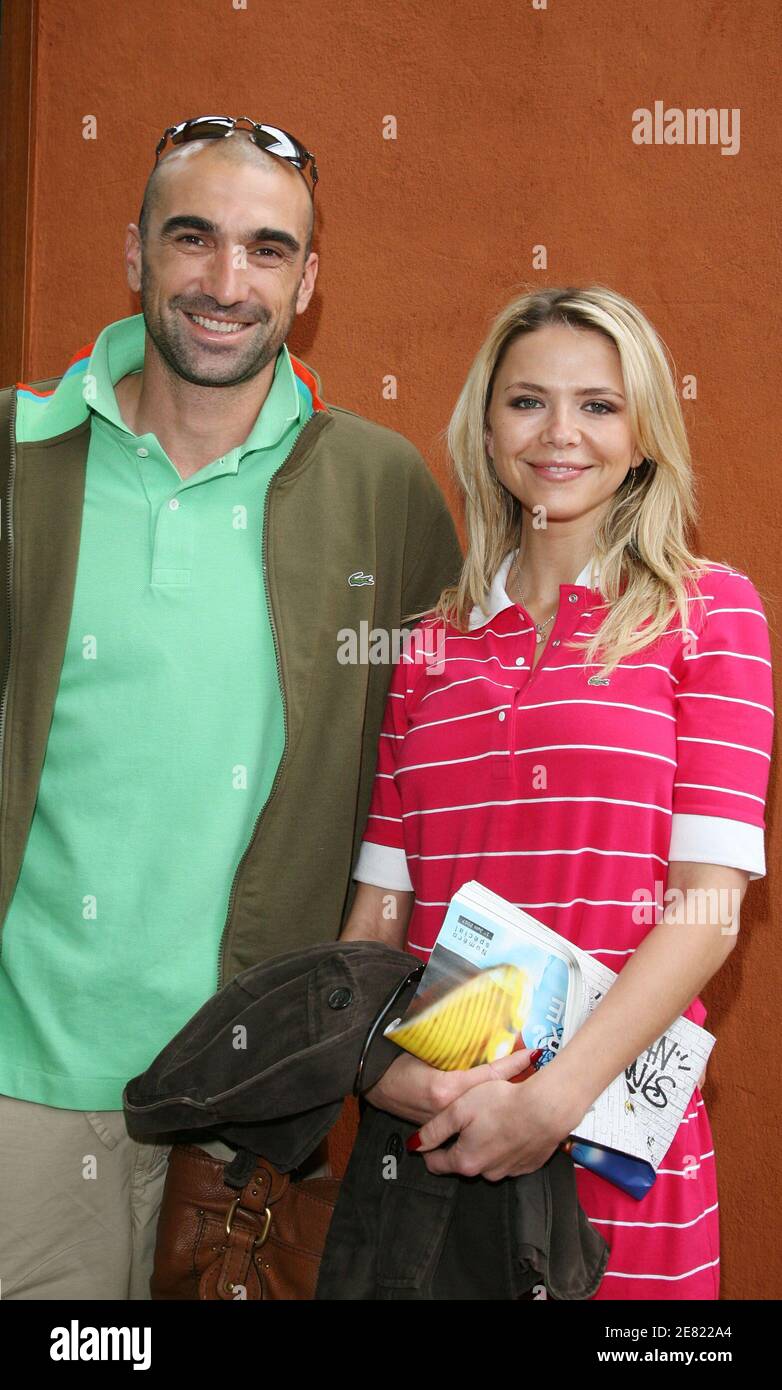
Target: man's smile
211, 328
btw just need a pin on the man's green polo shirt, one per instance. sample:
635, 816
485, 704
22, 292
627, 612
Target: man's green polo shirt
166, 736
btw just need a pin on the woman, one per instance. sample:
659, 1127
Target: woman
594, 733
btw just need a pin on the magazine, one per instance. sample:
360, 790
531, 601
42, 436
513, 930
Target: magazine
499, 981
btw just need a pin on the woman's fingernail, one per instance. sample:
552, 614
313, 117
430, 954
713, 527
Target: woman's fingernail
535, 1056
414, 1142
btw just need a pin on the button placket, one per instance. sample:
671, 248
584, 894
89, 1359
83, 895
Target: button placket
517, 697
525, 674
500, 763
566, 621
514, 725
173, 542
503, 765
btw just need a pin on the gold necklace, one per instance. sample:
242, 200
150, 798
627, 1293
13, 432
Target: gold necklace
539, 627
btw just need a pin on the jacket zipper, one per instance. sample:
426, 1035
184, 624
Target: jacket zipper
278, 773
9, 521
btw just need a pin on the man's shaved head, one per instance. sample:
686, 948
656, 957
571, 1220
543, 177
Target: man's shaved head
236, 148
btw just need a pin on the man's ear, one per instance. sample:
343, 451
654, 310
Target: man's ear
307, 282
133, 254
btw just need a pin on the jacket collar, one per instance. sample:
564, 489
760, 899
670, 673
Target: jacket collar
497, 598
46, 414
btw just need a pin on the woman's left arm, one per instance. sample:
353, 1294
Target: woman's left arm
506, 1129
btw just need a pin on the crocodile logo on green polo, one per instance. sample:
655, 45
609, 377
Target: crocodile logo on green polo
356, 580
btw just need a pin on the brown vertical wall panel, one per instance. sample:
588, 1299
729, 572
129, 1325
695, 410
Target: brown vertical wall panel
513, 130
17, 88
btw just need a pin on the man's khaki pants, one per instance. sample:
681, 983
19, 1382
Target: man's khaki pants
79, 1202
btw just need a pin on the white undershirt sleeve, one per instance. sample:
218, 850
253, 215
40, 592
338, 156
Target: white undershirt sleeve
717, 840
382, 866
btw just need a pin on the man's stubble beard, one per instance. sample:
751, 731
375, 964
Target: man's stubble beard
175, 352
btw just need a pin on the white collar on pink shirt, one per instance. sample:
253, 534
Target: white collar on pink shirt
498, 599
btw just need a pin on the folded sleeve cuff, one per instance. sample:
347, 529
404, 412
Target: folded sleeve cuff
382, 866
717, 840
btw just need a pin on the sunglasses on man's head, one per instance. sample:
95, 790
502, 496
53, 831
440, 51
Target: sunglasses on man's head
267, 137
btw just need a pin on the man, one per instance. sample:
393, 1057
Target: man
186, 763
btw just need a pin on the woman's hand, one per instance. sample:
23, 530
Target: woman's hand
415, 1091
504, 1130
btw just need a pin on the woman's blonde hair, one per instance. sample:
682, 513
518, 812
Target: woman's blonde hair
641, 544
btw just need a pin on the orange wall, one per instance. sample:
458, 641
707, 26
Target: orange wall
514, 130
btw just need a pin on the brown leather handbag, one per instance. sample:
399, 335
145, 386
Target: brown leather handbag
262, 1240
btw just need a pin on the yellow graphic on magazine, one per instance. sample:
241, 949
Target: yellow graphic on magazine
479, 1021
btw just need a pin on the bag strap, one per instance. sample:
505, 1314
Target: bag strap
247, 1226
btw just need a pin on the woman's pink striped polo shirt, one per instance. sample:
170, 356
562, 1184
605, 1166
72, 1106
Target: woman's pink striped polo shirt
569, 797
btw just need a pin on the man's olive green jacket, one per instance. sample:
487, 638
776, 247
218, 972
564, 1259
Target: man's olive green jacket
357, 536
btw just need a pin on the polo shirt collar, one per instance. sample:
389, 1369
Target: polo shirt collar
498, 598
119, 349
